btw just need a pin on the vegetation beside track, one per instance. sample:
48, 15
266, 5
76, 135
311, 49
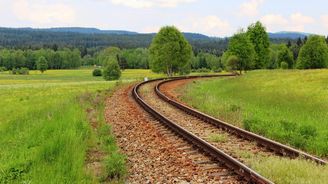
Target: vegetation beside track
45, 133
288, 106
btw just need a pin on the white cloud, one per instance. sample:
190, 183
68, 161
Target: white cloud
295, 22
150, 3
41, 13
210, 25
324, 21
250, 8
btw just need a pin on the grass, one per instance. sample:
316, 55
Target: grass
217, 137
45, 131
289, 106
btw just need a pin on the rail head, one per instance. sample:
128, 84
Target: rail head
278, 147
238, 167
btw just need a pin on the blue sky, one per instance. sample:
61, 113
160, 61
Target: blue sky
215, 18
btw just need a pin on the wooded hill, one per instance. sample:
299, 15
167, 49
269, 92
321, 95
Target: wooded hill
76, 37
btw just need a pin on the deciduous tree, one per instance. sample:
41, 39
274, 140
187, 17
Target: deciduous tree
42, 64
313, 54
241, 47
169, 51
260, 39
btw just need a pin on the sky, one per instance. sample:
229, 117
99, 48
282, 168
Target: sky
211, 17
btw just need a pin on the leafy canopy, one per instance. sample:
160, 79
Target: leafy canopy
260, 39
112, 70
241, 47
169, 51
313, 54
42, 64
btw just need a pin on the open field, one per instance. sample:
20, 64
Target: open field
44, 128
288, 106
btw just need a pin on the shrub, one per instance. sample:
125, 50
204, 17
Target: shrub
97, 72
3, 69
284, 65
20, 71
23, 71
203, 70
112, 70
14, 71
219, 70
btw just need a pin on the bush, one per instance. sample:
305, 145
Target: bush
20, 71
3, 69
23, 71
112, 70
219, 70
203, 70
97, 72
284, 65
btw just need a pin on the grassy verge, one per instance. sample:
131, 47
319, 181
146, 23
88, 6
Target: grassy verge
45, 130
104, 161
288, 106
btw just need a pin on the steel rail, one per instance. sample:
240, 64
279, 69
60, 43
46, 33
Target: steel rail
268, 143
239, 168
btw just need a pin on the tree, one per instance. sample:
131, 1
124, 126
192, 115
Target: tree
42, 64
327, 40
299, 41
113, 53
112, 70
289, 44
169, 51
260, 39
233, 63
313, 54
241, 47
285, 55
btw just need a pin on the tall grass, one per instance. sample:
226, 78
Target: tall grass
288, 106
44, 129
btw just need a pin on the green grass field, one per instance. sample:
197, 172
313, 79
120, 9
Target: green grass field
289, 106
44, 129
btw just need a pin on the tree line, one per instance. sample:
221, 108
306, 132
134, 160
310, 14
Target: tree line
60, 59
252, 49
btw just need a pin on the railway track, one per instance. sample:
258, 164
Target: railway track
195, 127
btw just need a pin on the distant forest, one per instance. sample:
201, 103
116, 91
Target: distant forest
94, 41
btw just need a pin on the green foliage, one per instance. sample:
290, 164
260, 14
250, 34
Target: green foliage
206, 60
241, 47
20, 71
136, 58
97, 72
111, 70
109, 54
42, 64
313, 54
60, 59
169, 51
284, 65
260, 39
232, 63
285, 55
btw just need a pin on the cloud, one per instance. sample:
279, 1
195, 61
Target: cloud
324, 21
295, 22
150, 3
210, 25
40, 12
250, 8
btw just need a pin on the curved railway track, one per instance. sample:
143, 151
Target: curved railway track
197, 136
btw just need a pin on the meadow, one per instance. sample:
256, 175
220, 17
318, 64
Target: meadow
44, 127
289, 106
